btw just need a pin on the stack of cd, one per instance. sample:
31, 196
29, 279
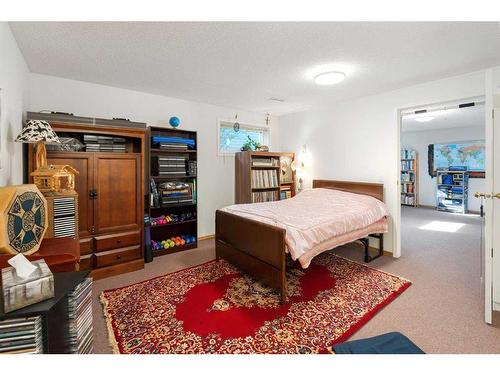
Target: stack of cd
80, 339
23, 335
102, 143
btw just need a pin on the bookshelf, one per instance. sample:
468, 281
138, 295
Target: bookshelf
409, 178
452, 191
263, 176
172, 199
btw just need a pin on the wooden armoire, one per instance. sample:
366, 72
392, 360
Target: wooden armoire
110, 187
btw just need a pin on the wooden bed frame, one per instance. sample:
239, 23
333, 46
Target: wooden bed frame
258, 249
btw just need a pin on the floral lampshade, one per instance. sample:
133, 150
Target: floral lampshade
37, 131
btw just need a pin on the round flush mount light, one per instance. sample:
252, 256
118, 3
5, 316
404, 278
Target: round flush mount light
424, 119
329, 78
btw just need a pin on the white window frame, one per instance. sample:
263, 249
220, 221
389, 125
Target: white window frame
245, 125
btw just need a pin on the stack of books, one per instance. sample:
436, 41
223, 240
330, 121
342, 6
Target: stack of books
265, 162
80, 338
23, 335
285, 192
174, 193
102, 143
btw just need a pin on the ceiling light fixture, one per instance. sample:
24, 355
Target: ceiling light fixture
329, 78
424, 119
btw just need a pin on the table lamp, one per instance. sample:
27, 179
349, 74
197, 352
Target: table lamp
39, 132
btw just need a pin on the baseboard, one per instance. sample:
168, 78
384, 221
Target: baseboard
209, 237
117, 269
434, 208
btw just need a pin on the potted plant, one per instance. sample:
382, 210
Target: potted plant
250, 145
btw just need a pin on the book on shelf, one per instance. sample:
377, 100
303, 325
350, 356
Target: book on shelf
176, 192
407, 165
407, 199
407, 188
407, 177
408, 154
285, 193
265, 162
264, 179
265, 196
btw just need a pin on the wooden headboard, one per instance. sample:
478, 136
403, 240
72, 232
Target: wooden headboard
367, 188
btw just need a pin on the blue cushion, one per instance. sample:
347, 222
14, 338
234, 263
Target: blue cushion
388, 343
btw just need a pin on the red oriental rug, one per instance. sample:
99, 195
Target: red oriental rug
213, 308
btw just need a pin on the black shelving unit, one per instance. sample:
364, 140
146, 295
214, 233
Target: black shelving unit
452, 191
173, 229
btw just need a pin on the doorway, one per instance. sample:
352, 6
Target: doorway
442, 165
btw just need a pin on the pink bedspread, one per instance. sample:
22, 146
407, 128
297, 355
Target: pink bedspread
317, 220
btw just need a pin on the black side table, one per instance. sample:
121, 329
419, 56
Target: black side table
54, 312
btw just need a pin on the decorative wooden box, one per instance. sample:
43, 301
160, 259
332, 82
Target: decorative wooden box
23, 219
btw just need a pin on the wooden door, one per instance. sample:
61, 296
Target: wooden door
117, 181
84, 181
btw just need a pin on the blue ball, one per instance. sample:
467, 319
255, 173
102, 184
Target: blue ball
174, 121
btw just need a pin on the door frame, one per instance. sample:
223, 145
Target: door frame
488, 203
487, 281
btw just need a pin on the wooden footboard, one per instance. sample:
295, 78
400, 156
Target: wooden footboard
256, 248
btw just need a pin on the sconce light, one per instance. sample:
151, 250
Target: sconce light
299, 166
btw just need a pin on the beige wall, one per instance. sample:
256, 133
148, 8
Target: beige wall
215, 173
13, 103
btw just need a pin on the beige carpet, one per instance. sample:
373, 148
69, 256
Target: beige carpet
441, 312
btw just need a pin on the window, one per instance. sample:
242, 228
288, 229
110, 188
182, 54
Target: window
231, 141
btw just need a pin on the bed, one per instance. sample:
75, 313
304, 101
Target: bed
257, 237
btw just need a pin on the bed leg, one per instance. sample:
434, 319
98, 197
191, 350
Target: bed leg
366, 244
283, 291
217, 256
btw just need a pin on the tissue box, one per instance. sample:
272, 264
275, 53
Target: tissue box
20, 292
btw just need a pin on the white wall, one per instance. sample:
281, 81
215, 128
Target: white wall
215, 173
13, 102
358, 139
420, 141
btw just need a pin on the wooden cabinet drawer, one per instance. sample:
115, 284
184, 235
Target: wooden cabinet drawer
110, 257
86, 246
86, 262
117, 240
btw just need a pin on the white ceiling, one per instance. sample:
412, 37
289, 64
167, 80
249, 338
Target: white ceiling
243, 64
446, 119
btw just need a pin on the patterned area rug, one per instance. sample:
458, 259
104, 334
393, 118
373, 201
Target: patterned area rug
213, 308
